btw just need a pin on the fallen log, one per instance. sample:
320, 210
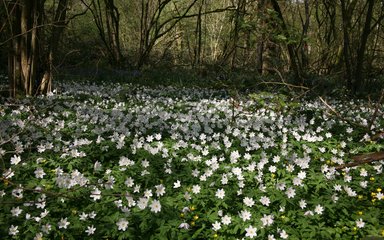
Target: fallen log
363, 159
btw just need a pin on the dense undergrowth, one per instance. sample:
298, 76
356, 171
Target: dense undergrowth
122, 161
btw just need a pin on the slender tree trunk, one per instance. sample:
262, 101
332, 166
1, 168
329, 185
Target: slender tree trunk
362, 48
346, 14
304, 48
295, 66
45, 85
112, 17
25, 47
261, 40
14, 64
198, 36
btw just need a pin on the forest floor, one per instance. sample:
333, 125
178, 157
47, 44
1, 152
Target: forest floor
108, 159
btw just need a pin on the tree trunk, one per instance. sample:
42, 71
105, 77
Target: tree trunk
23, 54
347, 9
290, 46
198, 36
45, 84
362, 48
112, 17
260, 48
304, 48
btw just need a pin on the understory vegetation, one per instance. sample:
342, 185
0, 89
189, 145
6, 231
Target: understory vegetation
123, 161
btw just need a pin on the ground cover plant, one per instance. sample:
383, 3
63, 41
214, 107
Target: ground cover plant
118, 161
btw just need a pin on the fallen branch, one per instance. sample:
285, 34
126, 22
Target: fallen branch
363, 159
340, 116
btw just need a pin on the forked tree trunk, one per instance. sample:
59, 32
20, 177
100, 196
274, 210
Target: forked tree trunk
294, 63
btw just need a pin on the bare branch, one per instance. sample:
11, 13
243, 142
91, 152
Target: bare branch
341, 117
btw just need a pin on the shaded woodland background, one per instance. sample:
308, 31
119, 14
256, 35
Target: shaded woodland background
338, 44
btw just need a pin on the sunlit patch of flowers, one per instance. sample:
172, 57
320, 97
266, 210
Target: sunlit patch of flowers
121, 161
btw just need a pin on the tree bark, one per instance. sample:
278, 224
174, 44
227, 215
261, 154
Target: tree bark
362, 48
290, 46
45, 84
346, 14
23, 53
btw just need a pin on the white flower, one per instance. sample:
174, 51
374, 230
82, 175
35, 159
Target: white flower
92, 215
380, 196
271, 237
148, 193
90, 230
97, 166
276, 159
196, 189
44, 214
38, 236
184, 225
122, 224
251, 232
129, 182
248, 201
267, 220
360, 223
14, 161
363, 184
265, 200
308, 213
63, 223
297, 181
337, 187
83, 216
142, 203
16, 211
245, 215
8, 174
13, 231
290, 192
46, 228
155, 206
39, 173
177, 184
145, 163
124, 162
17, 193
187, 196
226, 220
96, 194
237, 171
160, 190
303, 204
319, 209
283, 234
220, 193
234, 156
216, 226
